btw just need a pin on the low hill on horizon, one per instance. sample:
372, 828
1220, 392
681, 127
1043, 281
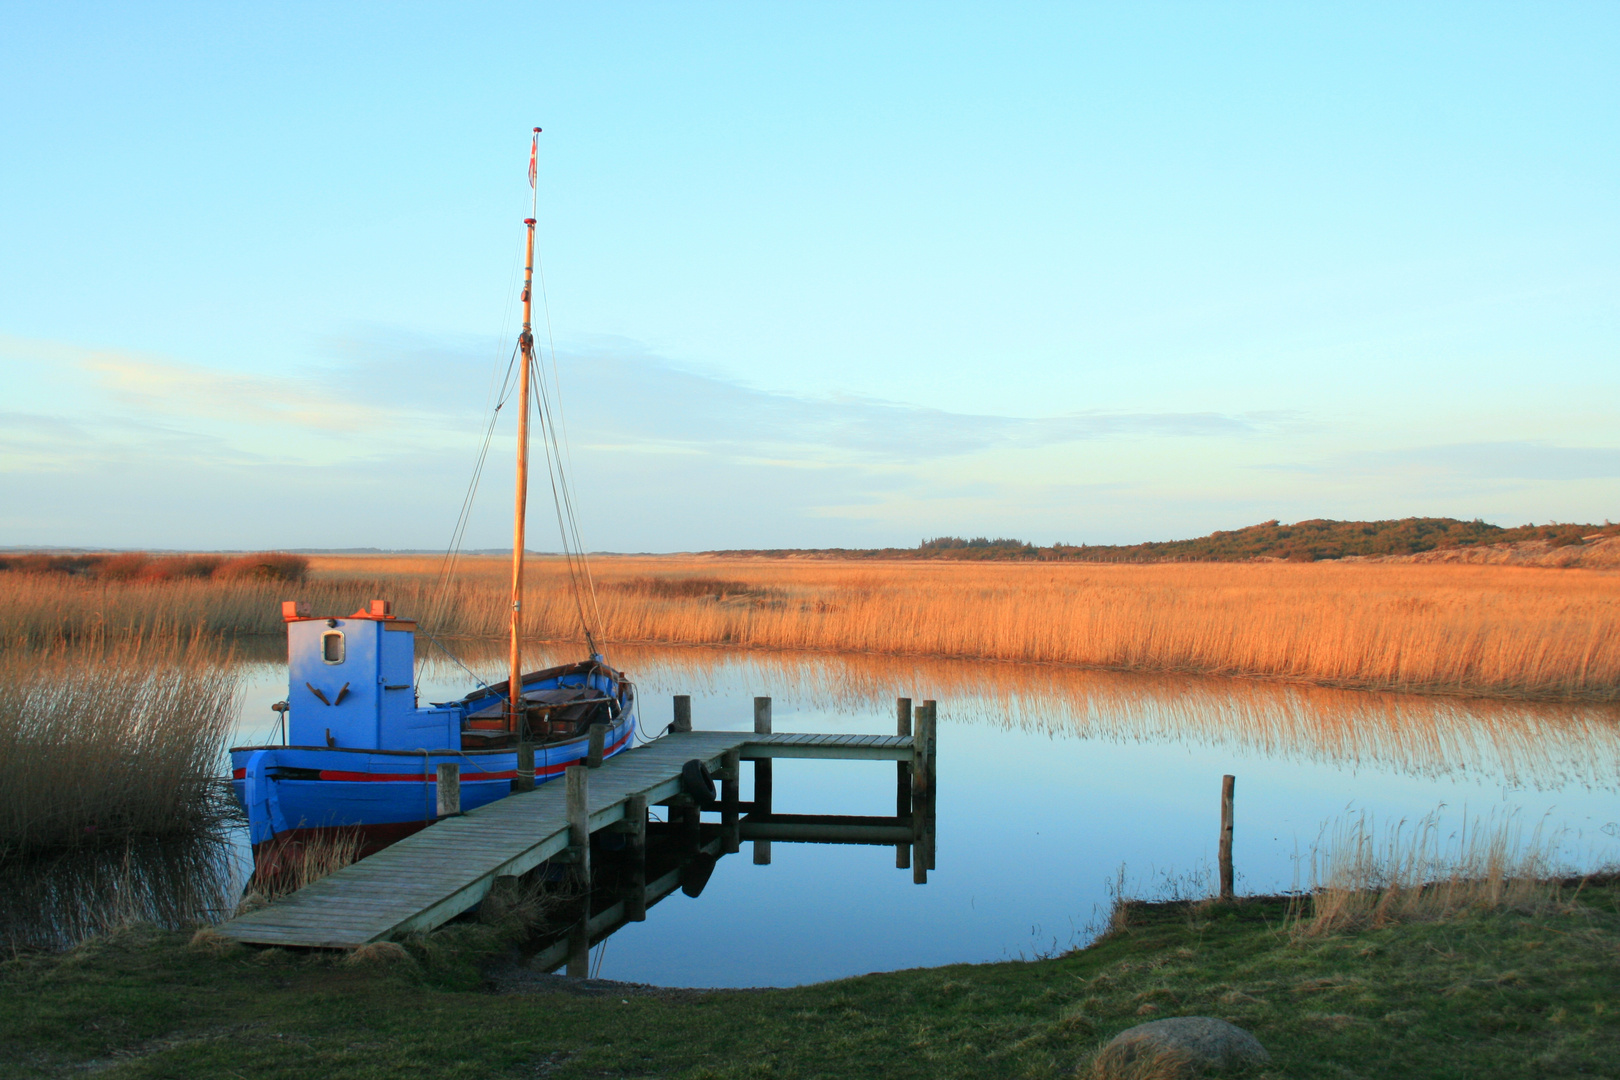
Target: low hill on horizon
1302, 541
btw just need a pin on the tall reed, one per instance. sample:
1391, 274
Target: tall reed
58, 899
110, 740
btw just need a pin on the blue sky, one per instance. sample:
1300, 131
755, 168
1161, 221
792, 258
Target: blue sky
818, 274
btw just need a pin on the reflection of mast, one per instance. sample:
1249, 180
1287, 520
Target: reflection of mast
514, 688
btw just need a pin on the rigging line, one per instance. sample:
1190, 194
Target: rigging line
458, 533
565, 506
456, 660
552, 474
551, 341
558, 478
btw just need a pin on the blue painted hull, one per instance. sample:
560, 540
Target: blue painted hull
295, 793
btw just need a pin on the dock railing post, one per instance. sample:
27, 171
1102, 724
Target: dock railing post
579, 821
593, 755
449, 789
730, 795
902, 780
524, 780
1227, 784
635, 902
762, 780
683, 713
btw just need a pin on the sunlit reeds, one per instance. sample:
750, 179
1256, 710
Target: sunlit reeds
107, 741
1540, 745
1477, 630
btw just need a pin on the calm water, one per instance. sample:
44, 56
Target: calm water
1051, 784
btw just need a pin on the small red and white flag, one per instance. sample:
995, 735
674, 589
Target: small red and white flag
534, 153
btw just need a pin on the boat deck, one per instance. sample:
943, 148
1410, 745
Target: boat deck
434, 875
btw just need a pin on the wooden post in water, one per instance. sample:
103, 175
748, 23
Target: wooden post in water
730, 795
902, 781
683, 713
593, 755
919, 795
635, 902
449, 789
933, 775
524, 781
762, 779
579, 821
1227, 784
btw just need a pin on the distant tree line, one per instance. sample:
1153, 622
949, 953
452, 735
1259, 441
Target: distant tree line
1303, 541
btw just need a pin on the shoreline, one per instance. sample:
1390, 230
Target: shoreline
1498, 993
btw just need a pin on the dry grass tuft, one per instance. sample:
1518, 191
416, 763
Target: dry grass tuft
103, 742
291, 865
379, 954
211, 942
1417, 874
526, 902
1138, 1061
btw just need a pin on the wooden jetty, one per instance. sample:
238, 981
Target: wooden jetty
432, 876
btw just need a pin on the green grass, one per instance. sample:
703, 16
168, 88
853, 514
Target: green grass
1497, 994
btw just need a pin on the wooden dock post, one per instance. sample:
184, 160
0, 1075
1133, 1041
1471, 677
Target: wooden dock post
593, 754
635, 901
762, 779
730, 795
922, 776
922, 792
524, 780
1227, 784
579, 821
449, 789
902, 781
683, 713
933, 776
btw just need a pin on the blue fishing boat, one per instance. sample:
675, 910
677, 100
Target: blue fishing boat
360, 756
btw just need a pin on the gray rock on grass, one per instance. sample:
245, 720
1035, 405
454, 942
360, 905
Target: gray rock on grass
1177, 1048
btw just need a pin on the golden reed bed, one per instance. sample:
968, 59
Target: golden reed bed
1488, 630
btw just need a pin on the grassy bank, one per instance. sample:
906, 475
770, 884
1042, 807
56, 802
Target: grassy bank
1479, 630
1500, 993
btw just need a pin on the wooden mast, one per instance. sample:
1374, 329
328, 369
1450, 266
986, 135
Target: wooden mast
514, 687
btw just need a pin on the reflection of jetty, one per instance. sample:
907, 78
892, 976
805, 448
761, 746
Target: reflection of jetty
434, 875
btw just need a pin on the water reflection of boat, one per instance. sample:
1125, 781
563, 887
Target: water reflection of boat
362, 757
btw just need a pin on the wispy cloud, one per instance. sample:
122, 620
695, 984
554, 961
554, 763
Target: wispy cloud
632, 398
